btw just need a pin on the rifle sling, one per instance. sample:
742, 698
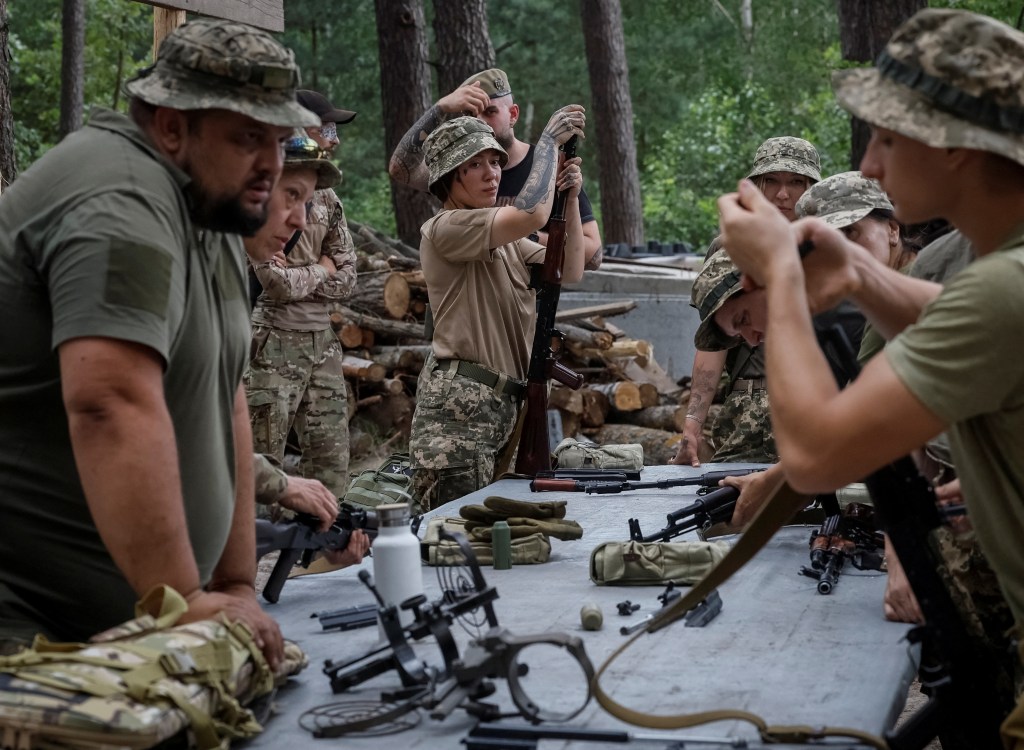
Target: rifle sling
772, 516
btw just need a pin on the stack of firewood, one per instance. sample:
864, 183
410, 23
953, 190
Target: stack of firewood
627, 396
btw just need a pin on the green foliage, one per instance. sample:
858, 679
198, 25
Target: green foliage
117, 40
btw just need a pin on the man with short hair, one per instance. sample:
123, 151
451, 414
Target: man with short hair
125, 448
295, 379
951, 362
488, 96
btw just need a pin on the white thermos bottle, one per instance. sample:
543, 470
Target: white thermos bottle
397, 570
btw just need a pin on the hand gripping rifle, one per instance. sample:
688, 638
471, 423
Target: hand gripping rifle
546, 279
702, 514
299, 538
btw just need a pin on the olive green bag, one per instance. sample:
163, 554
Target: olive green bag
571, 454
388, 483
138, 684
654, 563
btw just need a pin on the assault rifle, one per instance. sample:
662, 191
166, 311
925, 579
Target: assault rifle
546, 279
707, 480
959, 676
702, 514
299, 539
844, 537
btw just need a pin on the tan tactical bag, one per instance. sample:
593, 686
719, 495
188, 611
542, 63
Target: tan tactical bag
138, 684
571, 454
653, 563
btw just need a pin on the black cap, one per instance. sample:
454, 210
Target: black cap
320, 105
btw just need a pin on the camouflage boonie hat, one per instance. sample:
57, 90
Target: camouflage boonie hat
947, 78
494, 82
211, 64
301, 151
456, 141
787, 154
717, 281
843, 199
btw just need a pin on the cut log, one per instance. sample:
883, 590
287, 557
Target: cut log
671, 418
571, 423
622, 396
362, 369
611, 308
369, 401
406, 358
659, 445
595, 407
367, 339
652, 373
393, 386
590, 339
565, 399
649, 395
350, 335
383, 326
378, 294
394, 412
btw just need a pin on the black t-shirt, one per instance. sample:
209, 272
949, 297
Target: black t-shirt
513, 179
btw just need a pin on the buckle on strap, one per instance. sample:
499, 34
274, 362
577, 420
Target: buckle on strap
502, 384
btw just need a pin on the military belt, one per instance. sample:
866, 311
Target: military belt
499, 381
749, 385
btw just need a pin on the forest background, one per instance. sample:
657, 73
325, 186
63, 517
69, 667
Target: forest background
709, 80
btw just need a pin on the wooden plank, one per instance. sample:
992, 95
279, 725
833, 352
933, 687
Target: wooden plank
263, 14
611, 308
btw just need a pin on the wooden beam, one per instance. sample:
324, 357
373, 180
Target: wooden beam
164, 22
264, 14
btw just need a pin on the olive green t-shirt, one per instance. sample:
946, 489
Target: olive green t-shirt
484, 310
962, 360
96, 240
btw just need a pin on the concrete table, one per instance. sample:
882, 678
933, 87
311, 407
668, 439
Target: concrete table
778, 649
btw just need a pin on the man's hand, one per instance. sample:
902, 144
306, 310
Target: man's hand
758, 238
238, 603
755, 490
688, 449
950, 494
328, 265
465, 100
310, 496
354, 552
565, 123
899, 603
570, 177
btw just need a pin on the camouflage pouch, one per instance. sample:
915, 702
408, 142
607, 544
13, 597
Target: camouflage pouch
570, 454
527, 550
138, 684
654, 563
388, 483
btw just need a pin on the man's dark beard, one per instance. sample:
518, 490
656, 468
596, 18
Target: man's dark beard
224, 214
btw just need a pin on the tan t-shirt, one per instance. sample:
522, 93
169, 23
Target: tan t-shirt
962, 360
484, 310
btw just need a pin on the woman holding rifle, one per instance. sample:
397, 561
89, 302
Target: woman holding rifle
476, 260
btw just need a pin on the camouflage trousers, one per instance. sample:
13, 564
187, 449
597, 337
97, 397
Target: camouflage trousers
459, 429
743, 429
294, 380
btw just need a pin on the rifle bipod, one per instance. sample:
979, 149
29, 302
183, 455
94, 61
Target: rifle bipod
460, 681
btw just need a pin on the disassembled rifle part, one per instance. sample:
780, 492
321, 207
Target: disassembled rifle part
714, 507
526, 737
462, 680
847, 536
627, 608
348, 618
698, 617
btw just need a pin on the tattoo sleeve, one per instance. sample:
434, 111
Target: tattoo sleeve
406, 164
702, 391
537, 189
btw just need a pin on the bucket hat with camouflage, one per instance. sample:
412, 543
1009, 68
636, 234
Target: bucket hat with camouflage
213, 64
843, 199
717, 281
947, 78
302, 152
456, 141
493, 81
787, 154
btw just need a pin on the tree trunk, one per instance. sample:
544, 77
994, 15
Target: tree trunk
8, 165
864, 28
463, 41
72, 66
621, 211
405, 96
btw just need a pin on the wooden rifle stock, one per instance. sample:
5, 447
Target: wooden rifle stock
534, 453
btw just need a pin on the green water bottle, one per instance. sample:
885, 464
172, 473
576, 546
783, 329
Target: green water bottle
501, 545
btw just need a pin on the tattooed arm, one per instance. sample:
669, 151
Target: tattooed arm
406, 165
707, 371
532, 207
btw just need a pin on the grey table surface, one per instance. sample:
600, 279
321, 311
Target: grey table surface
778, 649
